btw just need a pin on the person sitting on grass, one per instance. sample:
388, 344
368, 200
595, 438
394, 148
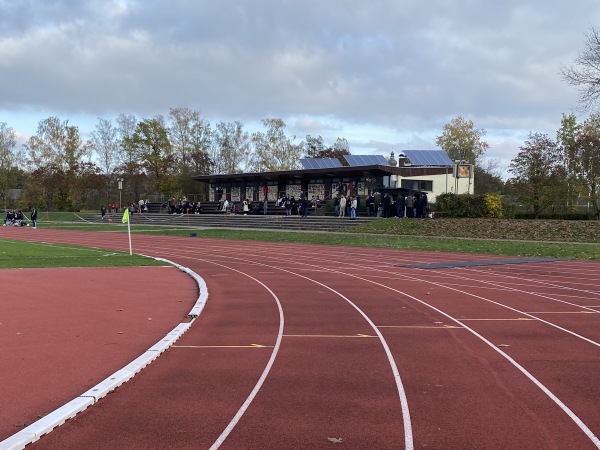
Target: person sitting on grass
10, 218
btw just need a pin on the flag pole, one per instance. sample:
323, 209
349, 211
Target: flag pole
126, 219
129, 234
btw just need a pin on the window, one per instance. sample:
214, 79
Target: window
417, 185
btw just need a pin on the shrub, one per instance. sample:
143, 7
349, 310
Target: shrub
462, 205
493, 204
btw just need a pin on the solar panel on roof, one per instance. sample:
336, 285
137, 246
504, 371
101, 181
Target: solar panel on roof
320, 163
427, 157
365, 160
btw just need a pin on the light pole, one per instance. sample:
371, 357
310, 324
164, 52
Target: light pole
120, 184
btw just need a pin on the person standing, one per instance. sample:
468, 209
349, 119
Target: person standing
409, 206
353, 208
288, 206
400, 205
387, 204
304, 206
246, 207
34, 217
370, 204
265, 206
342, 206
102, 211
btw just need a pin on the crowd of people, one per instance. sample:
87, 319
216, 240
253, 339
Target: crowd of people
16, 218
297, 207
344, 204
182, 206
413, 205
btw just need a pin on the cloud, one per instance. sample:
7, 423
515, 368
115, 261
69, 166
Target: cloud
393, 71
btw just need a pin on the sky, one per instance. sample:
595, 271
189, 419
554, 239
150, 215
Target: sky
384, 74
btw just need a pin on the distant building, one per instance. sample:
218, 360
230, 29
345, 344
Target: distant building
429, 171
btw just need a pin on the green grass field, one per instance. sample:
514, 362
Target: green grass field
18, 254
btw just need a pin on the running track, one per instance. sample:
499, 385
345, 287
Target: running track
309, 347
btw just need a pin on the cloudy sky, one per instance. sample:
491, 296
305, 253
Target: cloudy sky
384, 74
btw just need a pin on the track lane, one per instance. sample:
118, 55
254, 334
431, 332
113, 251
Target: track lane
347, 255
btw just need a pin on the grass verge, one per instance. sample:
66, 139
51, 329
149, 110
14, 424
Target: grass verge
19, 254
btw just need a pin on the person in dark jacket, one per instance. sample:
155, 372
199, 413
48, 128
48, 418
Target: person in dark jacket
387, 204
34, 217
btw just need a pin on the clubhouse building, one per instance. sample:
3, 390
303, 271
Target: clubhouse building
430, 171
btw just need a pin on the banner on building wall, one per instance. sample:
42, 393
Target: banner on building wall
273, 193
250, 193
316, 190
235, 194
293, 190
361, 188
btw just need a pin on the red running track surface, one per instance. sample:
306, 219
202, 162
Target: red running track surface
306, 347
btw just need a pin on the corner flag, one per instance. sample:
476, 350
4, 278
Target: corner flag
125, 219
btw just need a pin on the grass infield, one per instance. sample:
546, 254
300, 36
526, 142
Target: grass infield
18, 254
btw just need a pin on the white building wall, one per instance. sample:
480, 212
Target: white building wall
441, 184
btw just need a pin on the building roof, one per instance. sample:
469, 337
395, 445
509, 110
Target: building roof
308, 174
426, 158
335, 172
417, 163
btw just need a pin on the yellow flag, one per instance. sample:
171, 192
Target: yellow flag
125, 218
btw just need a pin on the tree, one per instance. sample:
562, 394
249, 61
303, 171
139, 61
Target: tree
586, 159
585, 71
313, 146
57, 143
8, 161
566, 137
230, 147
105, 143
180, 132
48, 185
191, 140
461, 141
539, 173
489, 179
333, 153
274, 150
341, 145
151, 142
89, 186
200, 140
126, 126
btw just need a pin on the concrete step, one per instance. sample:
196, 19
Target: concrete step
311, 223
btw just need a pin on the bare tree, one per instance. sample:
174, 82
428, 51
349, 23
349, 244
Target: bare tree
230, 147
274, 150
126, 124
58, 143
105, 143
180, 131
8, 160
313, 146
585, 71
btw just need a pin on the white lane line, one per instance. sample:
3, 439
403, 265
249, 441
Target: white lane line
408, 435
231, 425
582, 426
